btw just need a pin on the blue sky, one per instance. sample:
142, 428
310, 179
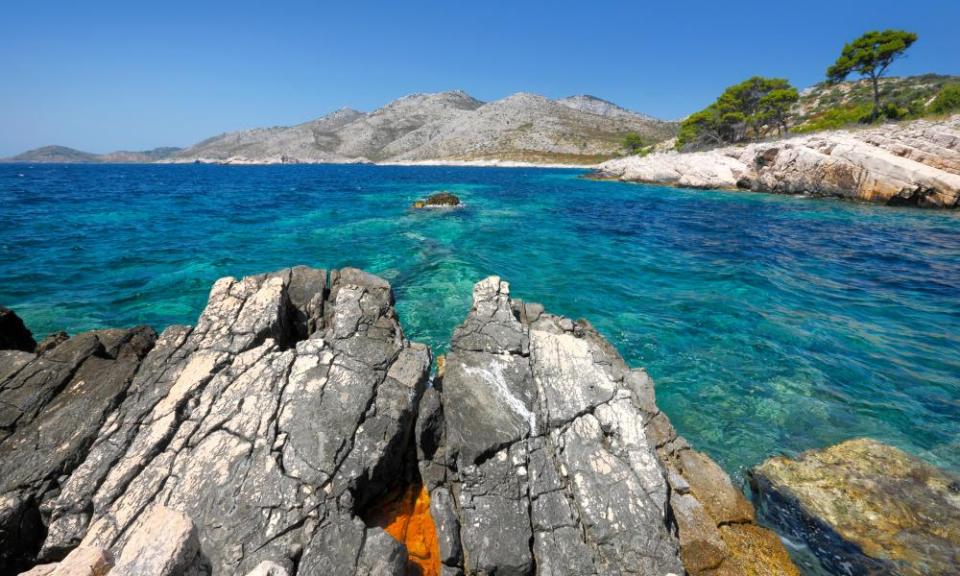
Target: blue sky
102, 76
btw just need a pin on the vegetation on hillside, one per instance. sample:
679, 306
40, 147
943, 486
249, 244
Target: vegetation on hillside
748, 110
947, 101
760, 107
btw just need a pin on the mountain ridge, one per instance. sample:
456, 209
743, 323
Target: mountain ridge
450, 126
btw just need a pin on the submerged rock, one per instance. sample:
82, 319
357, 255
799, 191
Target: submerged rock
915, 164
438, 200
865, 508
283, 435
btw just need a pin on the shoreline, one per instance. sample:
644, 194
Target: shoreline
436, 163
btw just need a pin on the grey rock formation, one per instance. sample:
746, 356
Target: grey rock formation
916, 163
544, 454
51, 409
286, 408
258, 441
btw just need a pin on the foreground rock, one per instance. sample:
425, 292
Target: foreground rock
865, 508
438, 200
544, 454
292, 433
52, 408
269, 425
916, 164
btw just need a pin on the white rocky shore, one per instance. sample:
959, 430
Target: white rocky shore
915, 163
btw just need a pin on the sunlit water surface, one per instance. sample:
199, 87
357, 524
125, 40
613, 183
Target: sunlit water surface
770, 324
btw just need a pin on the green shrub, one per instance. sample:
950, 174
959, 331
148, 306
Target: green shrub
948, 100
632, 143
837, 118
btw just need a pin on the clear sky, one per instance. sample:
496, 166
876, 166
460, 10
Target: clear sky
107, 75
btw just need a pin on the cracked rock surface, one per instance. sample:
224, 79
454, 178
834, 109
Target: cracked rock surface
258, 441
545, 454
267, 425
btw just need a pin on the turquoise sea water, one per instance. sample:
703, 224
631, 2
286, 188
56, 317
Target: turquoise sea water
770, 324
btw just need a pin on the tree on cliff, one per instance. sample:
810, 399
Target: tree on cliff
870, 55
746, 110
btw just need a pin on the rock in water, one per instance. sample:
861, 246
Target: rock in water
916, 164
865, 508
13, 334
438, 200
544, 454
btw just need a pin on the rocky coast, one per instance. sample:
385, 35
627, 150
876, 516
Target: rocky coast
296, 430
915, 163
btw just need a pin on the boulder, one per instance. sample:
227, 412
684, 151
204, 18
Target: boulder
864, 507
916, 164
13, 334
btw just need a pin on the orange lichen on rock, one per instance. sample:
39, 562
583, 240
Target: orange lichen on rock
405, 515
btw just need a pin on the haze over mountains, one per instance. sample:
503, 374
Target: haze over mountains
445, 126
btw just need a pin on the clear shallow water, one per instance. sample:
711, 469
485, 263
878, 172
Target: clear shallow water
770, 324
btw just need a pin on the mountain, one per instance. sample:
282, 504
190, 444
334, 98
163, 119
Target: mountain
65, 155
528, 127
594, 105
444, 126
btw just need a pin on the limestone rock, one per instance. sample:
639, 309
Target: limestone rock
548, 461
163, 543
865, 507
268, 568
82, 561
13, 334
266, 439
51, 410
916, 163
284, 411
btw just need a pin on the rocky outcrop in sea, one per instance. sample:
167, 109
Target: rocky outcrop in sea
915, 163
295, 430
863, 507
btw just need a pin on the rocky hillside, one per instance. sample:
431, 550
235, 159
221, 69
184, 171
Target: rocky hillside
900, 91
915, 163
274, 437
447, 126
